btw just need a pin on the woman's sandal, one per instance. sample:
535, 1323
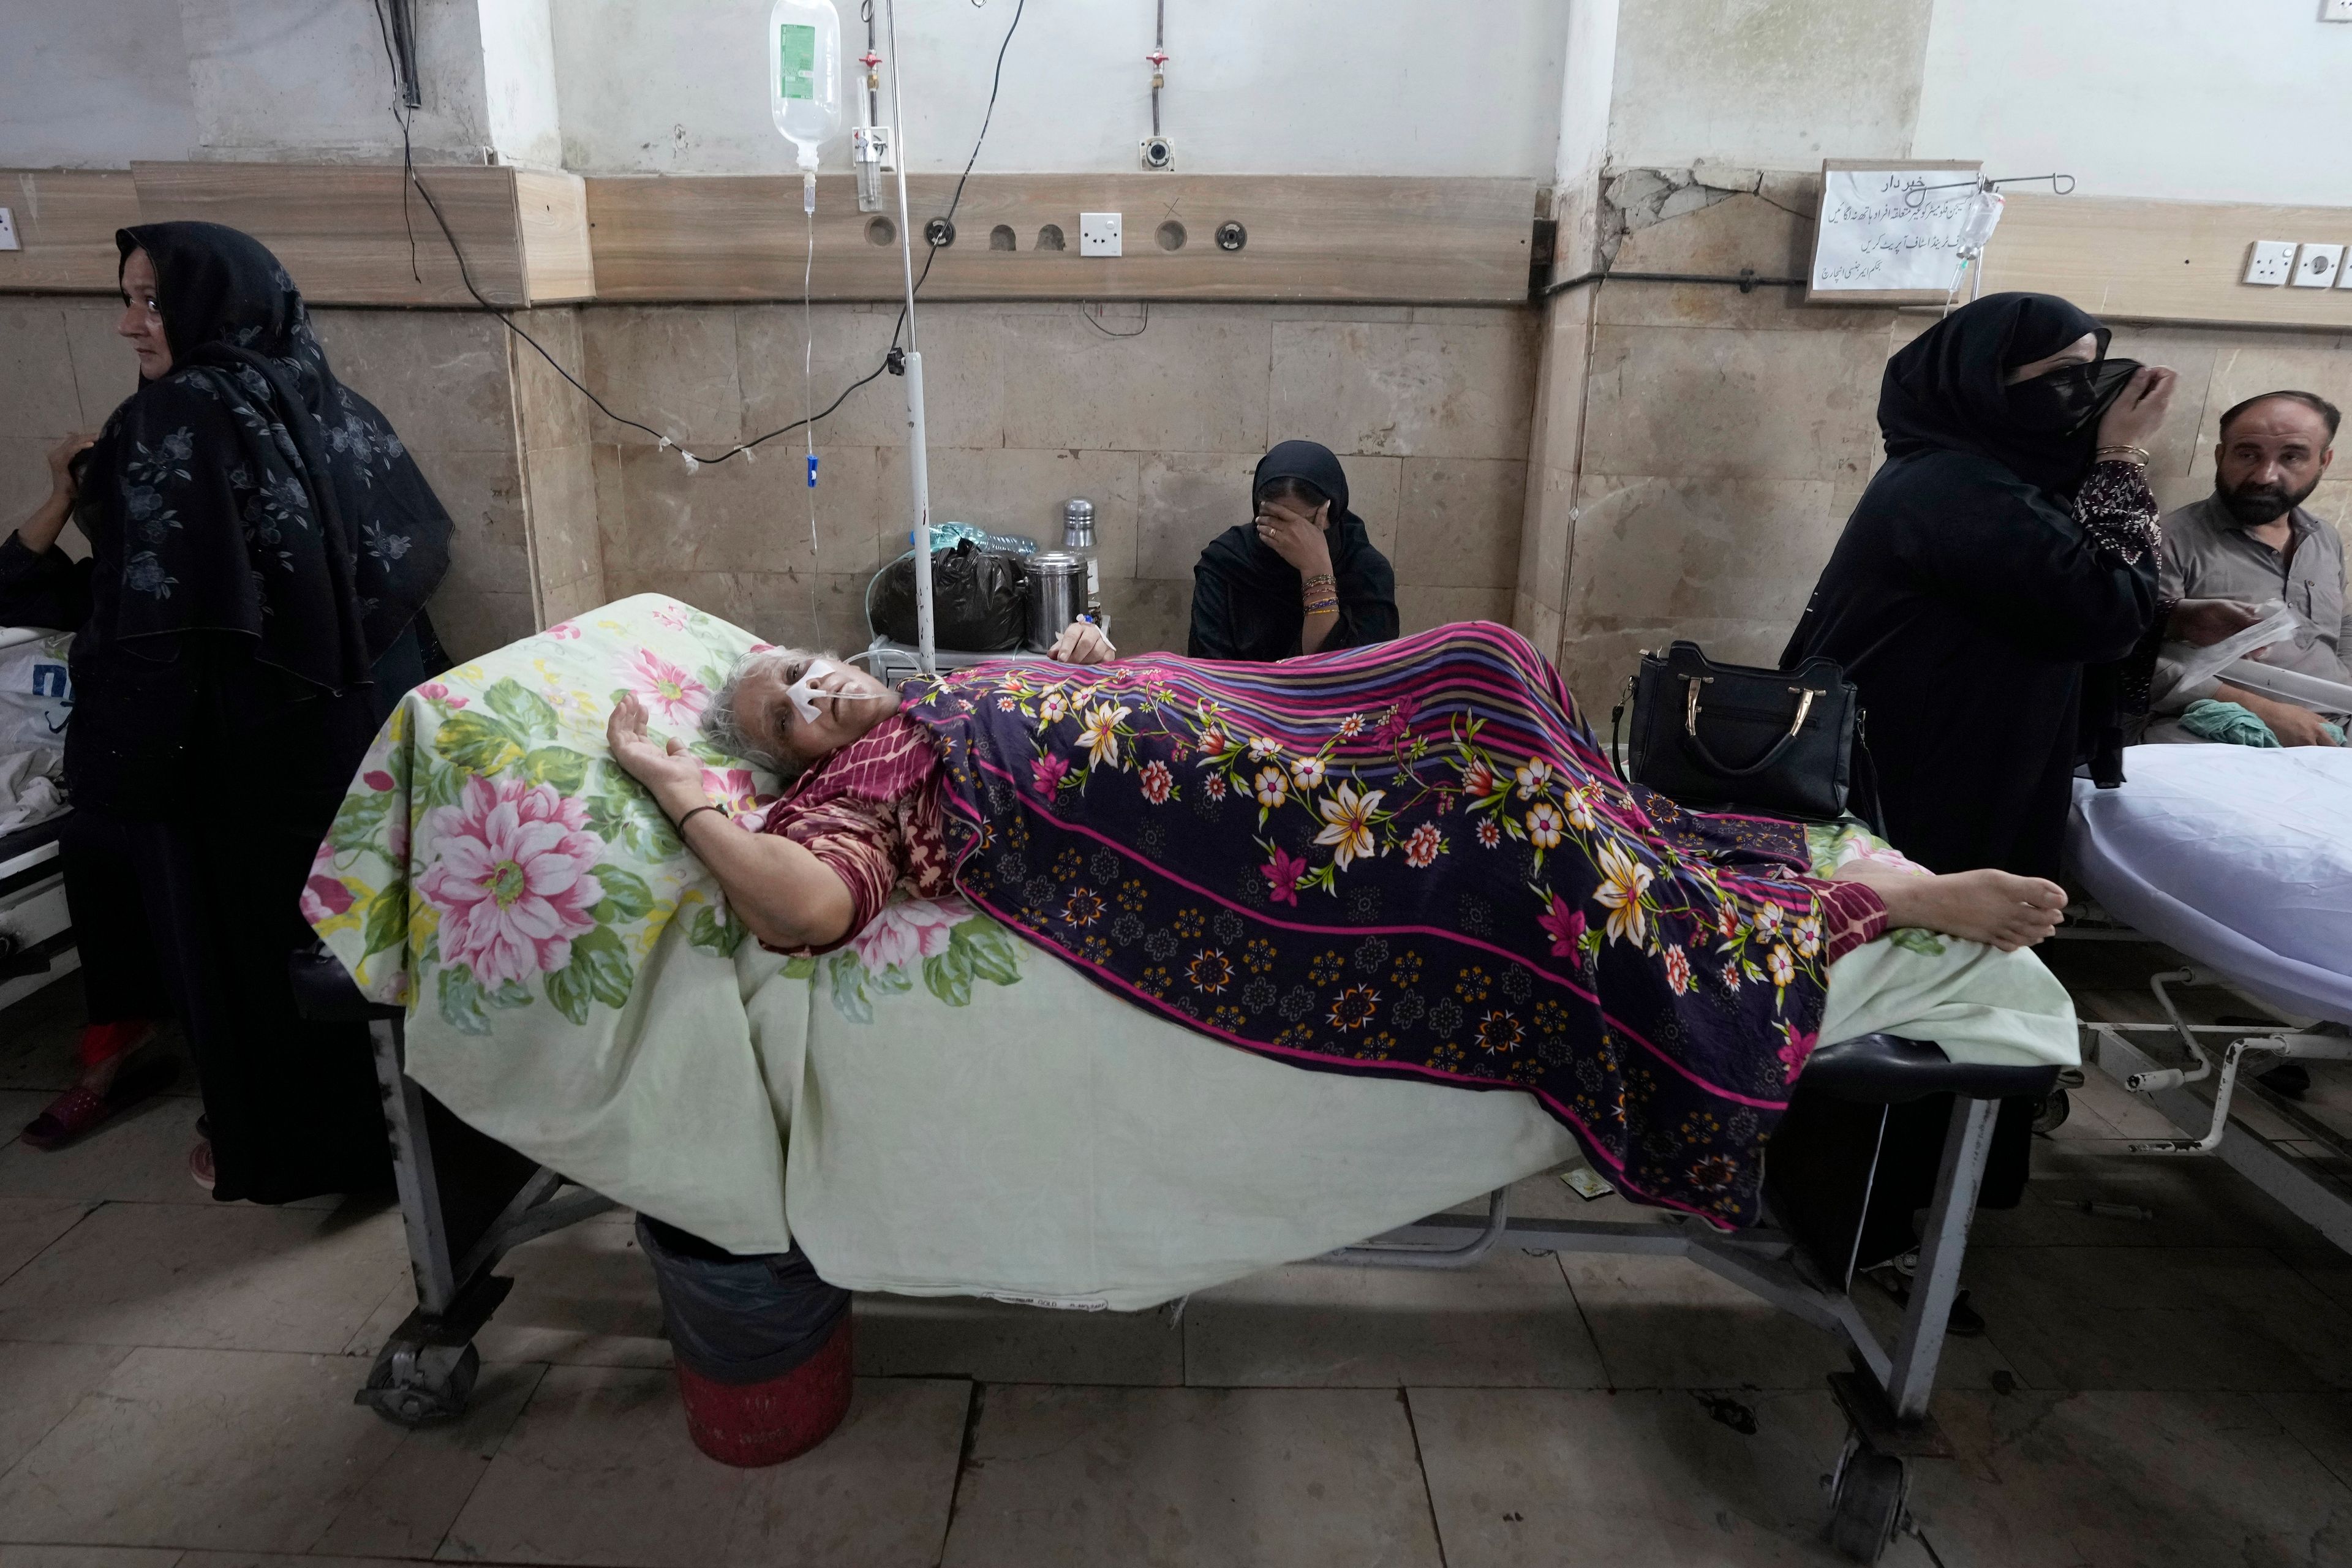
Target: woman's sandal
78, 1109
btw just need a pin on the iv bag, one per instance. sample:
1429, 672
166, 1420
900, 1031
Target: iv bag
804, 73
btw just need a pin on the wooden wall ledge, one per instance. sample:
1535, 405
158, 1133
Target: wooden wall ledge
339, 228
534, 237
1309, 237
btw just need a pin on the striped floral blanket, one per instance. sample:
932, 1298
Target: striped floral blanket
1411, 859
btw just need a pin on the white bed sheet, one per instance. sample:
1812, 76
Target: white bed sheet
2239, 857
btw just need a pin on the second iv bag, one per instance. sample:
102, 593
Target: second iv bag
804, 74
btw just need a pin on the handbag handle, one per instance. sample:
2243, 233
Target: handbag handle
1805, 695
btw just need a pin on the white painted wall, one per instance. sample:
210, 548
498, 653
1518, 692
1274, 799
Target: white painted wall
1775, 84
518, 81
93, 84
1314, 86
2189, 99
301, 79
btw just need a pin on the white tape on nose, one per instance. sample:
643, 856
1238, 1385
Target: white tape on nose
800, 693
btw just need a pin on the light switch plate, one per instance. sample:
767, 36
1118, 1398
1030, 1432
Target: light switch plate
1098, 235
2272, 262
2315, 266
8, 240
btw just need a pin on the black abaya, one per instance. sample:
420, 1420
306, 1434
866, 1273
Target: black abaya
261, 544
1972, 588
1246, 602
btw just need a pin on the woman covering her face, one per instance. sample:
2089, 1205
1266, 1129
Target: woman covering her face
1301, 577
262, 545
1986, 598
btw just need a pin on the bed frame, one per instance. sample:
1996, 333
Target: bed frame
2123, 1051
467, 1200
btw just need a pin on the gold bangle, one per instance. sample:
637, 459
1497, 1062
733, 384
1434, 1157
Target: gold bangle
2139, 453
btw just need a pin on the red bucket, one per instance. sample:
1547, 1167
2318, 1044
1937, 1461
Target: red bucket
754, 1423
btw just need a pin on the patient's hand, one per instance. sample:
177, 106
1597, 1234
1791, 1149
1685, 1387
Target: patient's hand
2293, 726
1082, 642
2201, 623
672, 773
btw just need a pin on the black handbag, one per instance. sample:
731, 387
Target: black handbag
980, 600
1727, 737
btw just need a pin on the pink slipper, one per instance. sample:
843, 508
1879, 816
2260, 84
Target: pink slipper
200, 1164
78, 1109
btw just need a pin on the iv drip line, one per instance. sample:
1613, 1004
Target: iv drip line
808, 383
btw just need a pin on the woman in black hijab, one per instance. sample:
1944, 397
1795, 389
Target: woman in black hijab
2007, 545
1991, 598
262, 545
1300, 577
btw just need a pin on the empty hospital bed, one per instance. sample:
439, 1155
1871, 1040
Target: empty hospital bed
939, 1109
2241, 860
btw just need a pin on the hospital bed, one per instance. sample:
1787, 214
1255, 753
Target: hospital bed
940, 1109
2241, 860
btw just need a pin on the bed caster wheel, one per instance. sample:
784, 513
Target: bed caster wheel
2053, 1113
1866, 1501
420, 1385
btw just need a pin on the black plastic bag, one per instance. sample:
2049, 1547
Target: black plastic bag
980, 600
735, 1319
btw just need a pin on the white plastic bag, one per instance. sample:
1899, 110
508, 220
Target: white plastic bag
36, 702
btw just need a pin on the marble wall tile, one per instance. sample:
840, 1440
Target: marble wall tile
1459, 522
105, 370
1728, 404
1420, 608
1653, 551
1021, 490
550, 410
773, 604
673, 367
489, 547
37, 394
738, 517
441, 377
568, 600
1546, 536
612, 502
1460, 388
1539, 623
963, 373
2253, 363
1185, 499
560, 488
1149, 614
472, 621
1181, 384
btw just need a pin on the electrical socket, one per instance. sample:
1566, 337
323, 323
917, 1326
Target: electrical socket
2273, 261
2315, 266
1098, 235
2335, 10
8, 231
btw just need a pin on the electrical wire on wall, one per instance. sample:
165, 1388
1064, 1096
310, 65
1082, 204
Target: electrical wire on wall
409, 99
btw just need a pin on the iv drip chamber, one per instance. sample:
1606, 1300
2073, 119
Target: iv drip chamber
804, 74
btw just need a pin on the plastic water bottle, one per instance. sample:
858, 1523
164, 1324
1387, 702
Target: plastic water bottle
804, 74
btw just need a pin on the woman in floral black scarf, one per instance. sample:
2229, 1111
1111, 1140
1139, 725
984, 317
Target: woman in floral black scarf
262, 545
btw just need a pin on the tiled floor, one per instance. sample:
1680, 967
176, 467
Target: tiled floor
176, 1380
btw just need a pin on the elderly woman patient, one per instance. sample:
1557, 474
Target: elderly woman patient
1405, 860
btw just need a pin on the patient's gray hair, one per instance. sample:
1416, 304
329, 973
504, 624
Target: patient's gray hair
723, 730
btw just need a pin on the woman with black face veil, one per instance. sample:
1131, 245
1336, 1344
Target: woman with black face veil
1994, 600
1301, 577
261, 548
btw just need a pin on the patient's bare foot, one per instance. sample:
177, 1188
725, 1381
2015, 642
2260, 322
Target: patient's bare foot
1995, 907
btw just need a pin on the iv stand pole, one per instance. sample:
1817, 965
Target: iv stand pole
918, 459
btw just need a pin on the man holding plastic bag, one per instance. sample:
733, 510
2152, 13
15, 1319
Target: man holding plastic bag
2252, 543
